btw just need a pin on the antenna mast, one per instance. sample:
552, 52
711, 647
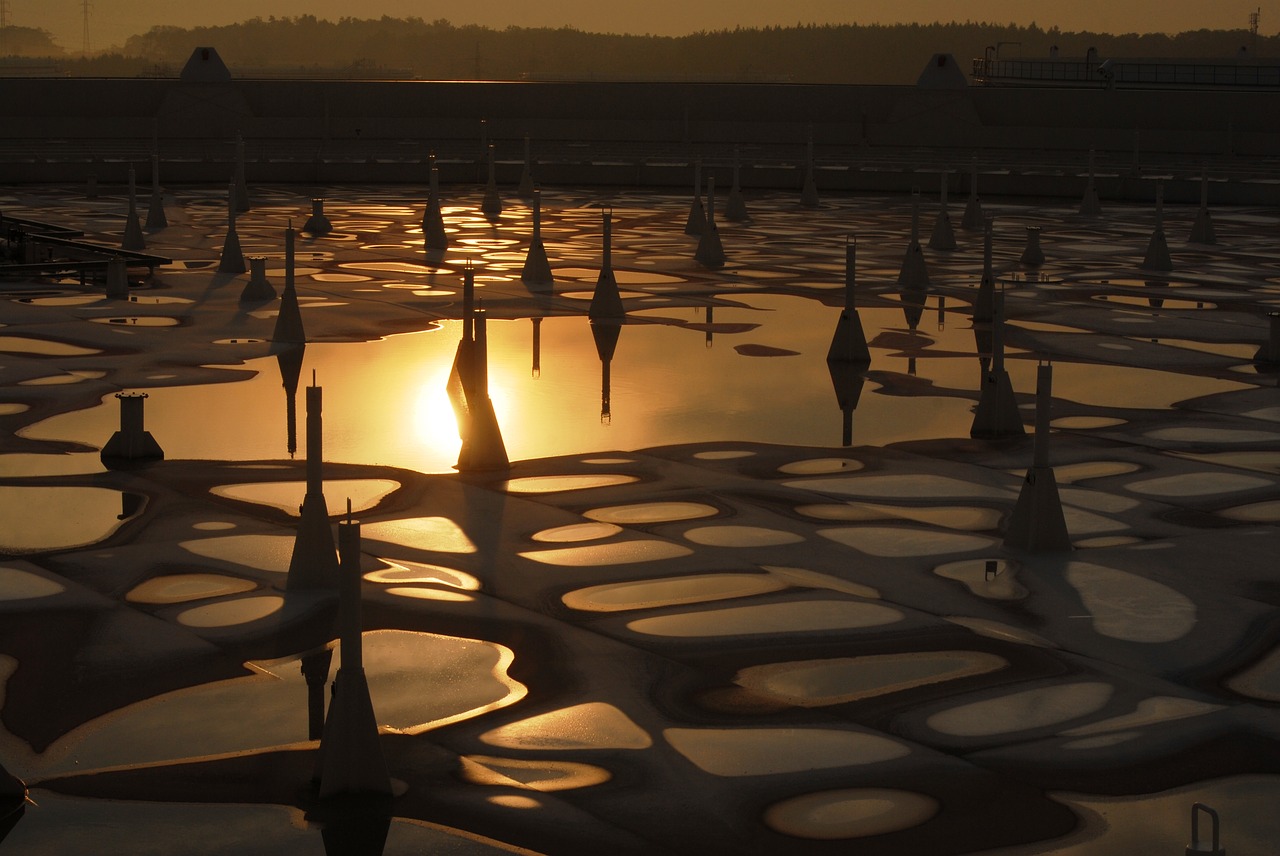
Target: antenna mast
85, 6
1253, 30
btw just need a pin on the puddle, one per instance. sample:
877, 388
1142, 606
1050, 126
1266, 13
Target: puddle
724, 455
538, 775
899, 541
820, 466
263, 552
1198, 484
1000, 630
420, 533
970, 518
403, 571
1150, 711
140, 321
651, 512
576, 532
850, 813
430, 594
670, 591
17, 584
917, 486
622, 553
741, 536
1129, 607
288, 495
38, 519
1258, 512
231, 612
1213, 435
1041, 707
551, 484
993, 579
1072, 473
9, 408
594, 725
839, 680
802, 616
770, 751
180, 588
1084, 423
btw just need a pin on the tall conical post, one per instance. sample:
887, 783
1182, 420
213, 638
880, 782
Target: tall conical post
133, 442
983, 305
606, 301
914, 273
434, 236
537, 270
313, 564
1090, 206
1037, 523
1157, 257
491, 204
710, 252
696, 222
482, 445
942, 237
288, 330
232, 259
133, 239
997, 415
1032, 253
1202, 229
736, 209
849, 343
351, 759
156, 218
972, 220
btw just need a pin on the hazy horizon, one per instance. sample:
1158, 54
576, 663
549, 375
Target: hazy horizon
111, 22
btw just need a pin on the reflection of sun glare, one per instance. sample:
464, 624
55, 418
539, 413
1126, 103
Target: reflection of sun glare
434, 423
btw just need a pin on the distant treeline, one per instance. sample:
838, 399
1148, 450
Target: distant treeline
807, 54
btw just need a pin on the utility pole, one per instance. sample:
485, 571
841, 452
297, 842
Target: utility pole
85, 6
4, 24
1253, 31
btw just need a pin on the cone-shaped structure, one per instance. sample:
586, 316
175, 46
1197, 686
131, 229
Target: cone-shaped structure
313, 564
434, 236
984, 304
117, 278
1269, 352
973, 221
914, 273
1032, 254
997, 413
241, 189
606, 302
710, 252
288, 330
317, 223
606, 335
258, 287
1090, 206
482, 445
849, 343
133, 239
289, 361
351, 760
537, 270
913, 303
526, 187
942, 238
156, 218
736, 209
1202, 229
133, 443
1037, 524
1157, 257
697, 219
491, 204
13, 801
809, 192
847, 379
232, 259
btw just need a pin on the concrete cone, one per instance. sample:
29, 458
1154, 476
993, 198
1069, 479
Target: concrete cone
434, 236
710, 252
526, 188
606, 302
697, 219
350, 757
849, 343
736, 209
984, 304
491, 204
536, 272
317, 223
132, 239
1202, 229
156, 218
482, 446
232, 259
973, 221
313, 564
133, 443
1090, 206
288, 330
258, 288
1037, 524
942, 238
1157, 257
997, 415
1032, 254
914, 273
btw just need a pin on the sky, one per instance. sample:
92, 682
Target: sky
112, 21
